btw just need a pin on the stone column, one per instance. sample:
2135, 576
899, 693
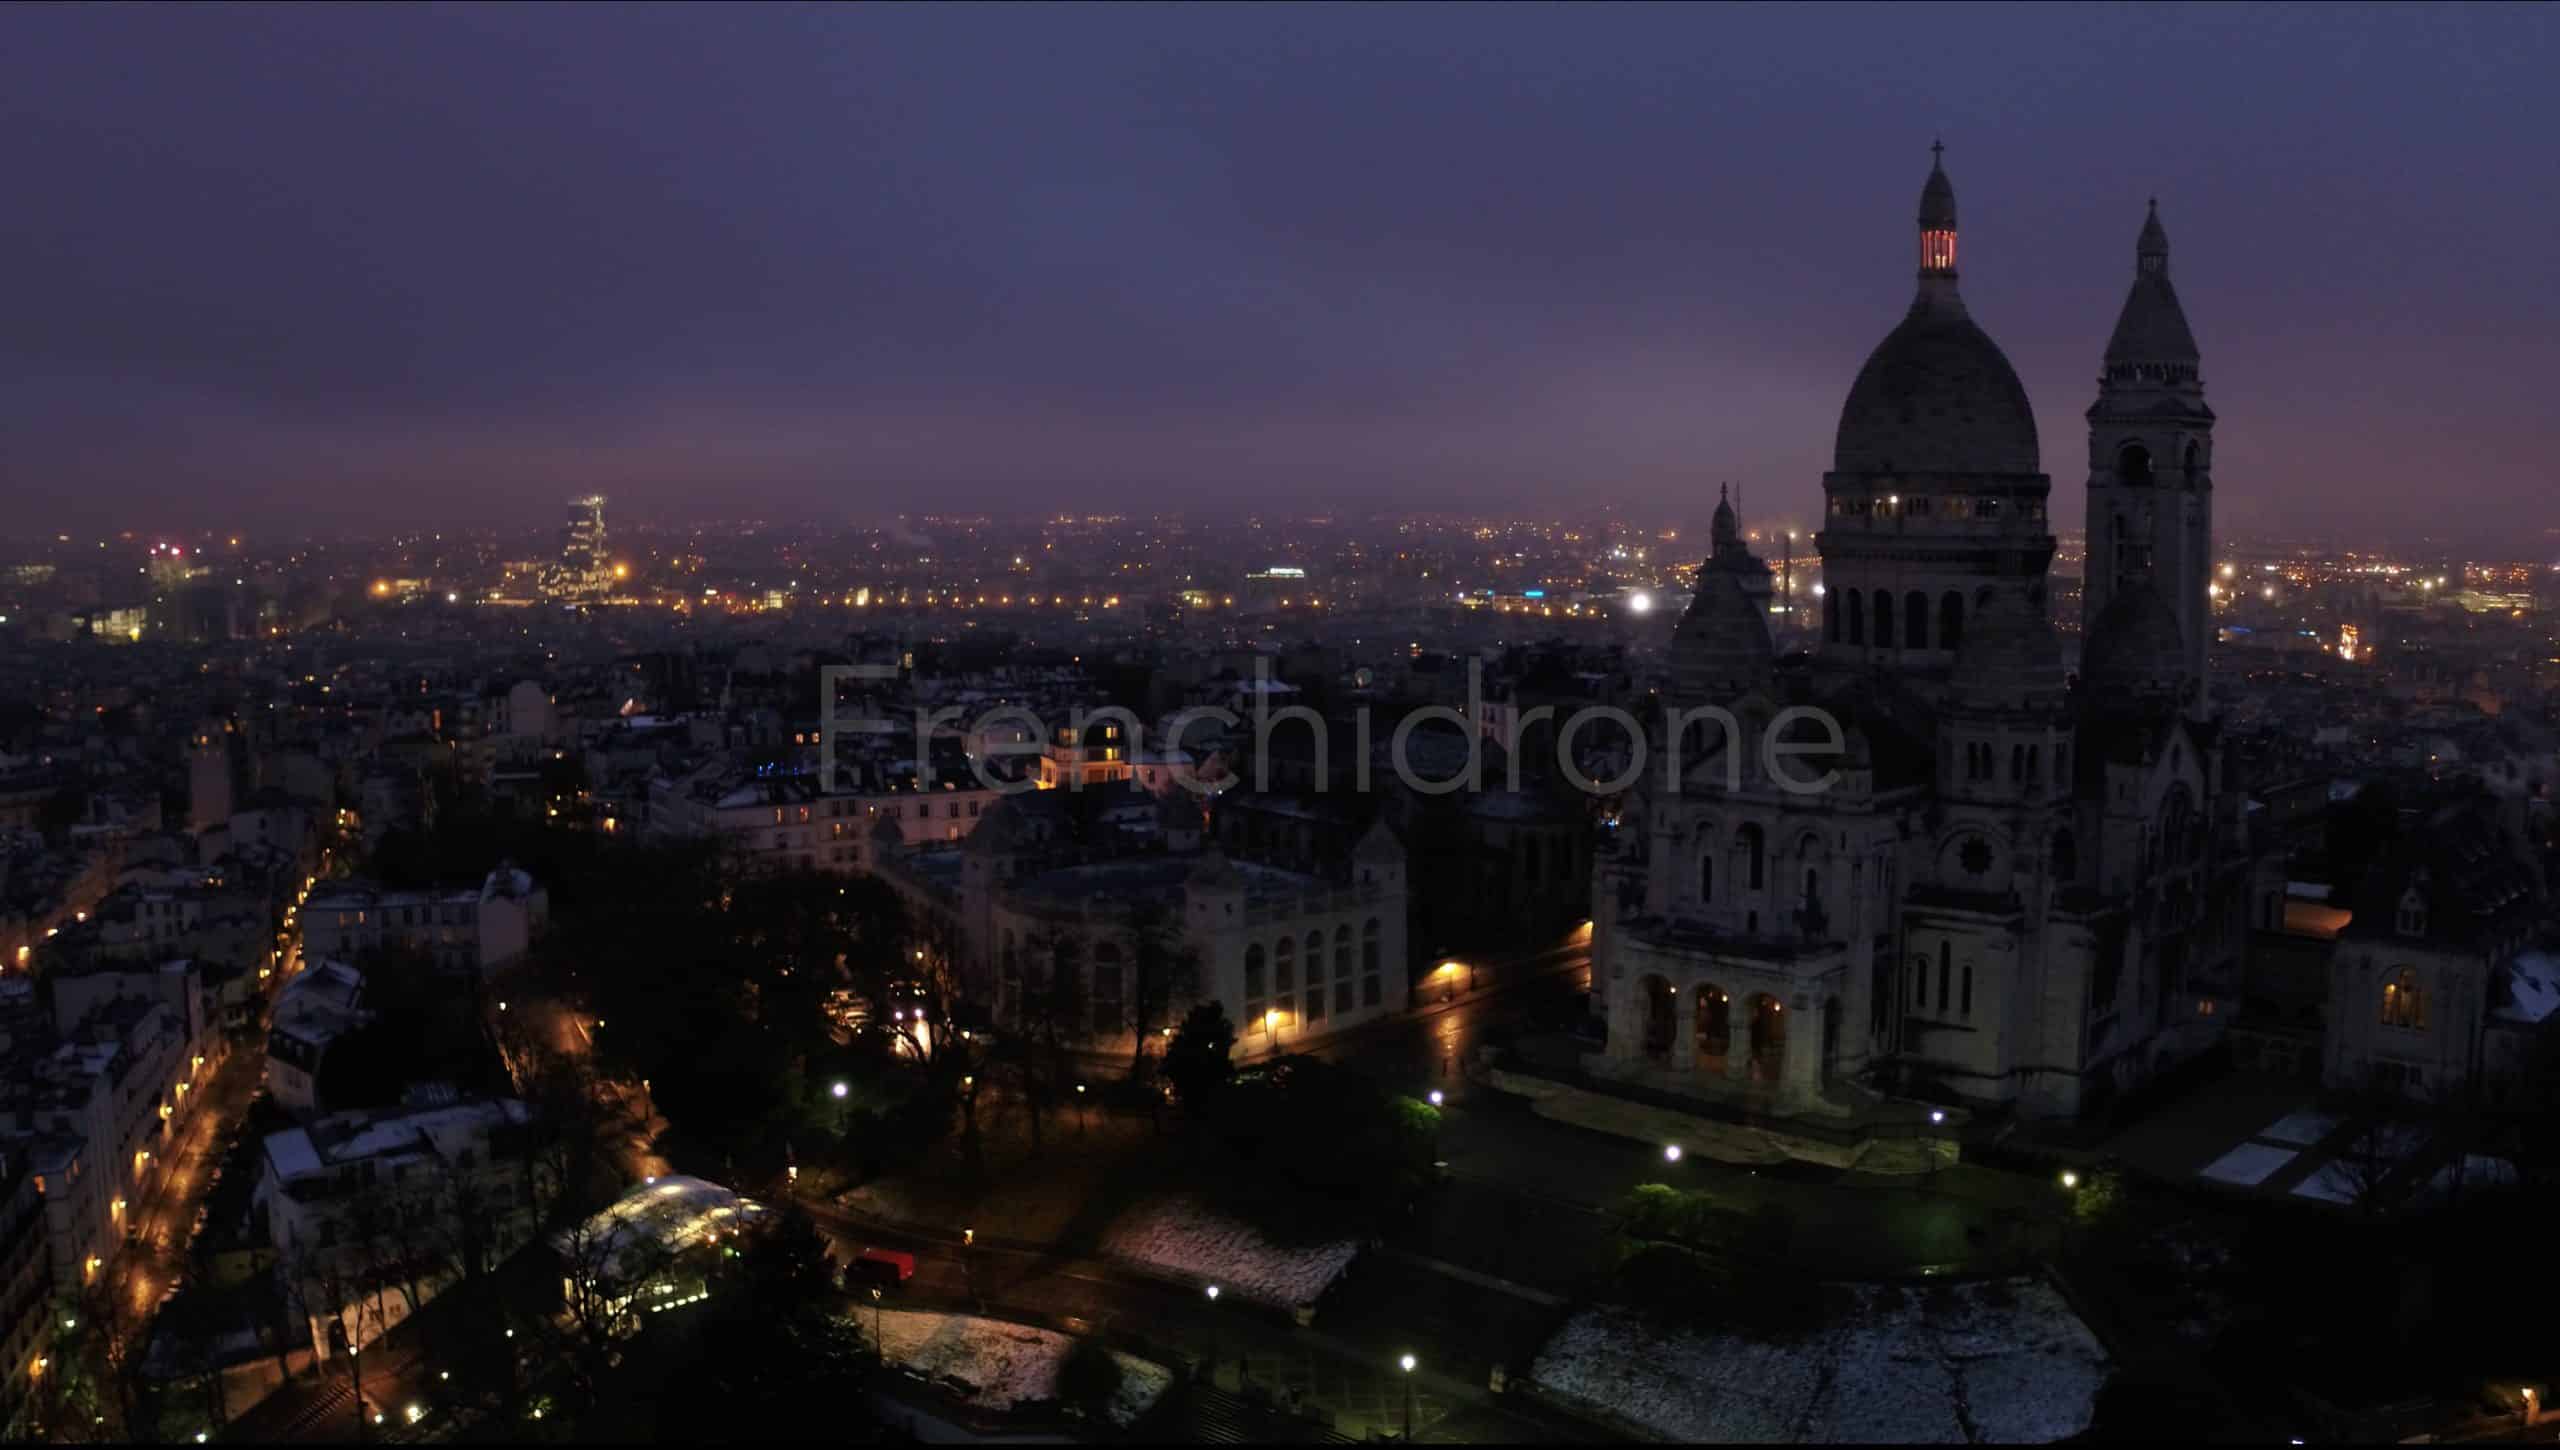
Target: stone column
1801, 1078
1737, 1037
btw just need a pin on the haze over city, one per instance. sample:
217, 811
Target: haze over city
391, 268
1278, 724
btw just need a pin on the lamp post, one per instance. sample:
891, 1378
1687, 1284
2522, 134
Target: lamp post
839, 1091
1213, 1342
1080, 1112
879, 1340
1406, 1364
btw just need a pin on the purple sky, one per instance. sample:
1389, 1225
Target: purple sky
368, 266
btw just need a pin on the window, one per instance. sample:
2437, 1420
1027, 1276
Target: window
2412, 918
1943, 998
2404, 1004
1884, 619
1919, 981
1284, 977
1342, 953
1964, 1008
1342, 995
1831, 617
1253, 982
1707, 875
1315, 1003
2133, 465
1915, 620
2066, 856
1756, 855
1372, 986
1856, 614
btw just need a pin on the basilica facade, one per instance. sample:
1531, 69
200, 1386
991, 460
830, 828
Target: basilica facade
2015, 884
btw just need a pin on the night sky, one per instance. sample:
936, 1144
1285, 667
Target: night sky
363, 267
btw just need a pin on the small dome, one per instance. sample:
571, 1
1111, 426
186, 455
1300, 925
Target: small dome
2133, 645
2010, 656
1722, 648
1379, 844
1937, 396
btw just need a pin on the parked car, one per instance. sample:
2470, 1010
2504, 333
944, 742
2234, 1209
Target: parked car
879, 1269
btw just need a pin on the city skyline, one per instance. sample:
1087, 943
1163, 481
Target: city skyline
885, 262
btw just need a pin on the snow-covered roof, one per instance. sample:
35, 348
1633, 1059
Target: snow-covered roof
2533, 988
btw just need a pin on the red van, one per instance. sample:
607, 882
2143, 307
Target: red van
879, 1269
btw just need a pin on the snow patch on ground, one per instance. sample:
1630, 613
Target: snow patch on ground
2300, 1129
2336, 1182
2248, 1165
1999, 1361
994, 1365
1179, 1237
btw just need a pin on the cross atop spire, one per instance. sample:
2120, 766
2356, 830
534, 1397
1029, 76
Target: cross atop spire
1937, 150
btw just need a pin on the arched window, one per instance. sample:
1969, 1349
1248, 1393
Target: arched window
2403, 1003
1950, 620
1706, 876
1915, 620
1284, 963
1919, 981
1369, 946
2195, 463
2412, 917
1342, 953
1884, 619
1964, 1004
1943, 963
2133, 465
1831, 616
1755, 856
1857, 617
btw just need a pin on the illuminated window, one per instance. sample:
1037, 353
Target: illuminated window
2403, 1003
1938, 249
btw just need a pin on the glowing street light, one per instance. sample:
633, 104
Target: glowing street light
839, 1090
1407, 1364
1436, 1098
2070, 1179
1671, 1153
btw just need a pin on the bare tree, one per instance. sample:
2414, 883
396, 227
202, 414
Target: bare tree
1166, 971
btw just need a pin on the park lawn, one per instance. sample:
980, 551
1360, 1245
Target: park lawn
1063, 1191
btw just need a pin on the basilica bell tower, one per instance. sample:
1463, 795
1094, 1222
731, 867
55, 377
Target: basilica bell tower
2150, 523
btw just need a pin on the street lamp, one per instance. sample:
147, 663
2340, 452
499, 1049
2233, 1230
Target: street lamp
1406, 1364
1213, 1344
1671, 1153
2070, 1179
879, 1340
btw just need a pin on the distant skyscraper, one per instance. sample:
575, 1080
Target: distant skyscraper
586, 566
